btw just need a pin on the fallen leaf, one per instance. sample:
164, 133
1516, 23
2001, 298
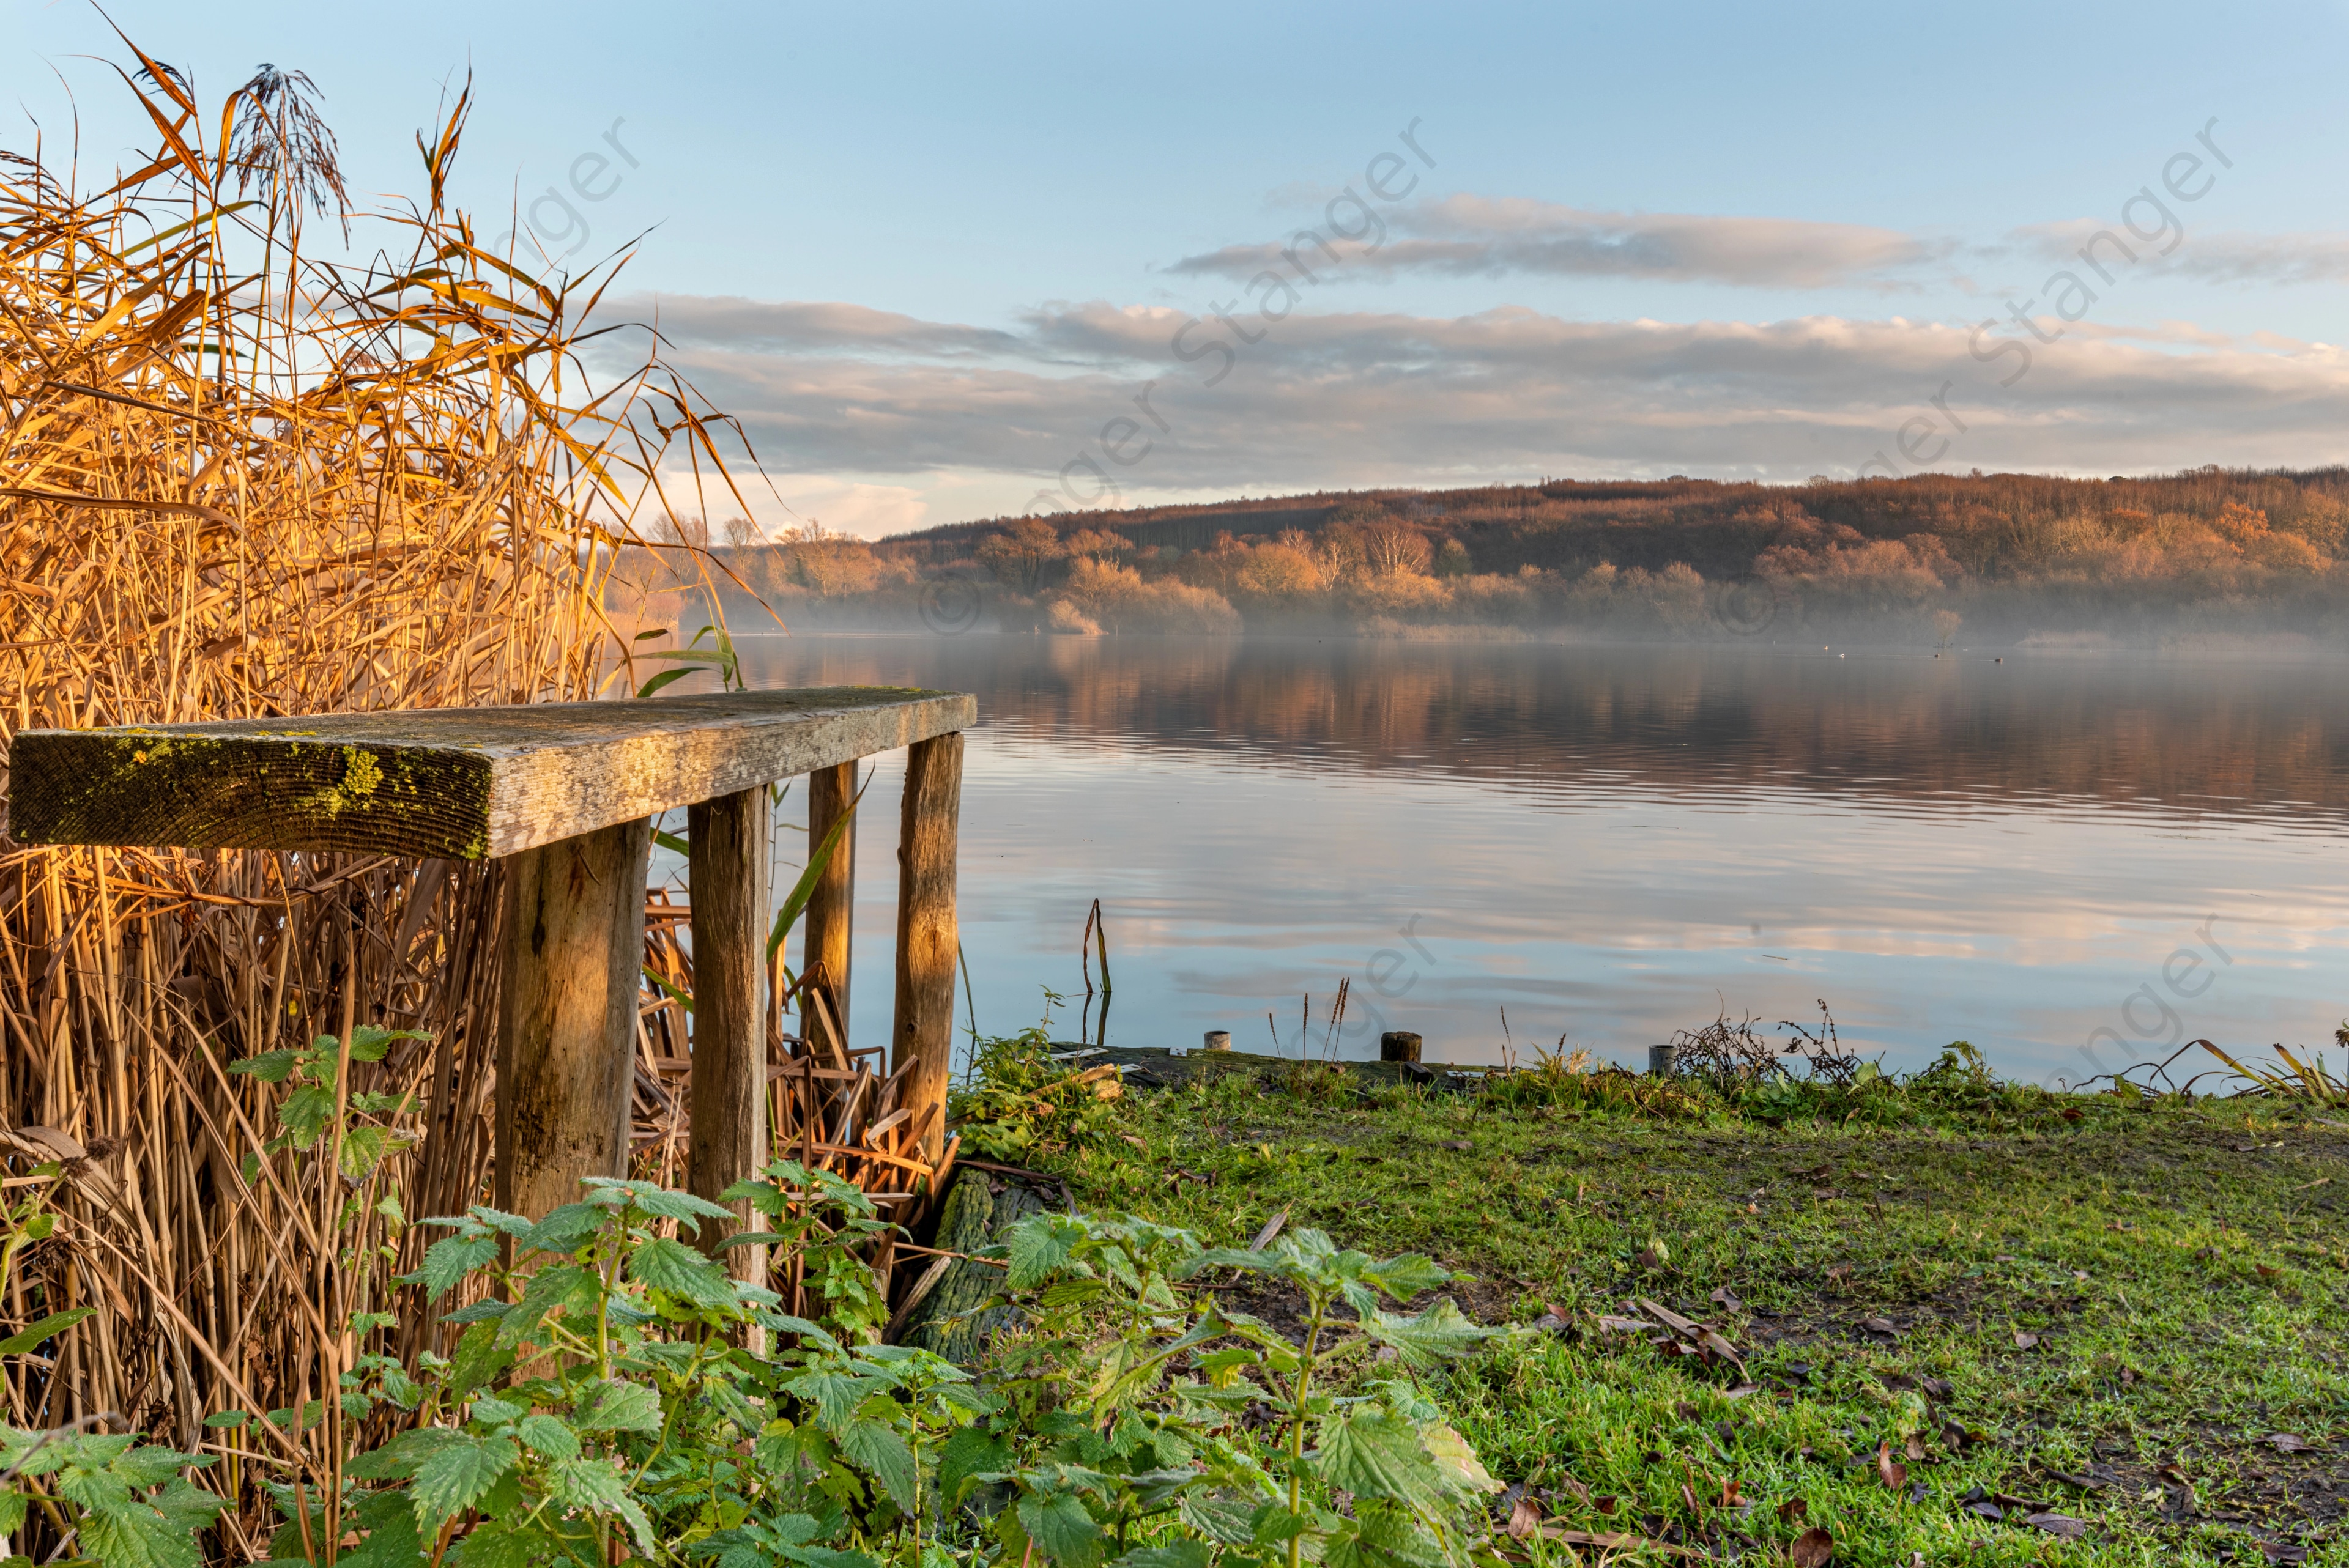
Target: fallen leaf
1879, 1326
1917, 1453
2283, 1551
1647, 1258
2062, 1525
1938, 1389
2267, 1271
1686, 1411
1814, 1548
2071, 1113
1607, 1325
1669, 1318
1793, 1509
1132, 1139
1953, 1435
1525, 1517
1839, 1273
2285, 1443
1604, 1504
1891, 1472
1579, 1492
1723, 1297
1722, 1348
1689, 1502
2025, 1341
1741, 1390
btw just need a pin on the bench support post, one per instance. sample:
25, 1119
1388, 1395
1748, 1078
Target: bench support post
832, 908
572, 948
729, 871
927, 939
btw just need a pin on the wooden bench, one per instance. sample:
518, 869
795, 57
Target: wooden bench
564, 794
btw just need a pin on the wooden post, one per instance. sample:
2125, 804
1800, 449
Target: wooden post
832, 908
728, 871
1398, 1045
927, 934
572, 946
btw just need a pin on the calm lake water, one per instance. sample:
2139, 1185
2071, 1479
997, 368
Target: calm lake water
2070, 862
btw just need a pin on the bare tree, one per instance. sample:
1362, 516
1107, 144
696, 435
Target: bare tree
741, 532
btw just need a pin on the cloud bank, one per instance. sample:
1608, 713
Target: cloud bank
1362, 398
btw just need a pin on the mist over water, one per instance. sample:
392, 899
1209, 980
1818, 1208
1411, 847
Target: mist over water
1615, 842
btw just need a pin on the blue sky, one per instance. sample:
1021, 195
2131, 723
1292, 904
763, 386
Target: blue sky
931, 255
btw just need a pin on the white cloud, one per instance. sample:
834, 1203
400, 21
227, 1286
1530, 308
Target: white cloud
1469, 235
1364, 398
2225, 257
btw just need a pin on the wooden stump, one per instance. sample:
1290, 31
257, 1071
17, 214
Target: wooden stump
832, 907
1399, 1046
927, 938
731, 851
572, 947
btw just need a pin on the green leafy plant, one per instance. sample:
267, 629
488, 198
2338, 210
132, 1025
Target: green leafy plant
1017, 1103
124, 1503
318, 1104
1146, 1422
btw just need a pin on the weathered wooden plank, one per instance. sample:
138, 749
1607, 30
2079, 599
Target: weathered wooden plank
450, 783
573, 945
728, 838
832, 907
923, 1033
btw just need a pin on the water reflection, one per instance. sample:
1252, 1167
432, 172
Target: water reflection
1611, 842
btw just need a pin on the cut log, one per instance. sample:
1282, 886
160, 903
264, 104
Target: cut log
450, 783
572, 945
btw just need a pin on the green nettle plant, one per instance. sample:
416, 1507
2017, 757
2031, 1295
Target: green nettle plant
606, 1402
1141, 1424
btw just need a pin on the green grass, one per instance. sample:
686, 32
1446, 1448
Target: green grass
2185, 1286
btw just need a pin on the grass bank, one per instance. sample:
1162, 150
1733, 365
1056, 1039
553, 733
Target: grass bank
1954, 1306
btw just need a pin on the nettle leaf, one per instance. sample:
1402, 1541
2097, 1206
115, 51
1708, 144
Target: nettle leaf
617, 1406
12, 1511
448, 1260
456, 1475
1438, 1335
566, 1228
480, 1357
1407, 1275
158, 1534
369, 1043
549, 1288
364, 1147
307, 1113
1382, 1535
876, 1446
33, 1335
1175, 1555
1062, 1529
1039, 1246
398, 1458
1375, 1454
1456, 1460
657, 1201
596, 1486
835, 1395
671, 1265
547, 1437
269, 1067
497, 1412
971, 1452
489, 1309
387, 1522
